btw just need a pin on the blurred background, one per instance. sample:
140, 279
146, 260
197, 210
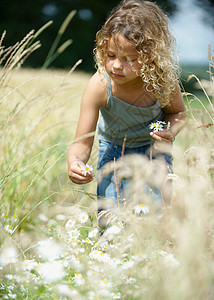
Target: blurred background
192, 23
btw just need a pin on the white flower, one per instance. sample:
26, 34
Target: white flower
8, 255
9, 276
70, 224
74, 234
14, 218
105, 284
75, 262
49, 249
127, 265
162, 252
170, 260
141, 208
52, 271
12, 296
8, 228
100, 256
93, 233
112, 231
60, 217
64, 290
43, 218
29, 265
83, 217
88, 241
116, 296
159, 126
86, 169
78, 279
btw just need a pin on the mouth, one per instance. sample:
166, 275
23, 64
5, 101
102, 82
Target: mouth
117, 75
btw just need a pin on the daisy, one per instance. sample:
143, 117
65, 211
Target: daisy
93, 233
170, 260
73, 234
83, 217
159, 126
116, 296
52, 271
8, 228
78, 279
70, 224
29, 265
49, 249
86, 169
141, 208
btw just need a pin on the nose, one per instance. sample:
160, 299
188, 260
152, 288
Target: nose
118, 64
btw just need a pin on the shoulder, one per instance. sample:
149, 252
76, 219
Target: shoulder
96, 90
176, 104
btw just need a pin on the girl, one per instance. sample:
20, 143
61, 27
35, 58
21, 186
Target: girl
136, 84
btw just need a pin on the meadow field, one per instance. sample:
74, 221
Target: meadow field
50, 246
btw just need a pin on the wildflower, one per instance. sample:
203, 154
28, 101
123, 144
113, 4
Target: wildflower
60, 217
93, 233
12, 296
168, 125
156, 126
75, 262
116, 296
43, 218
141, 208
88, 241
9, 276
52, 271
14, 218
8, 228
162, 252
8, 255
159, 126
83, 217
105, 284
49, 249
86, 169
4, 216
64, 290
29, 265
170, 260
94, 254
73, 234
113, 231
78, 279
70, 224
127, 265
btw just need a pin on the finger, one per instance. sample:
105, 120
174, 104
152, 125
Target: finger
79, 177
162, 136
80, 180
76, 181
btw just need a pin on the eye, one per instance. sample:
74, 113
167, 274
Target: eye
131, 59
110, 55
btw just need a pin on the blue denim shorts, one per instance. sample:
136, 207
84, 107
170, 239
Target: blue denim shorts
106, 187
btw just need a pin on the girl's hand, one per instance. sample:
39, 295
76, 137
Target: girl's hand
164, 136
76, 172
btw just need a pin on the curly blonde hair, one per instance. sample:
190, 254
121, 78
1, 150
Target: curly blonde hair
145, 25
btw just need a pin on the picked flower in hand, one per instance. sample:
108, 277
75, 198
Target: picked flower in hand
159, 126
86, 169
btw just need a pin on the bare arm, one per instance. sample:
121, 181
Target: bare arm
78, 154
175, 113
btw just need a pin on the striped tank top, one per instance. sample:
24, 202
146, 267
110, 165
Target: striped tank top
119, 119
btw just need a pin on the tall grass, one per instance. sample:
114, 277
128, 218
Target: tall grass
50, 244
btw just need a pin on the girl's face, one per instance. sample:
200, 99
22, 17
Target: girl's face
121, 61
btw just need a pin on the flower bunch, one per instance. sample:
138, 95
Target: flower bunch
159, 126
